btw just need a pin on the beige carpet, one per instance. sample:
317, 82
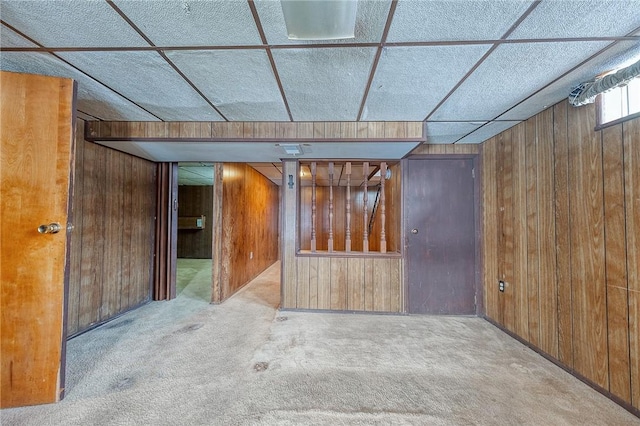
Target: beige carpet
187, 362
193, 278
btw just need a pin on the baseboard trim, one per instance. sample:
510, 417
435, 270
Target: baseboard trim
624, 404
339, 311
105, 321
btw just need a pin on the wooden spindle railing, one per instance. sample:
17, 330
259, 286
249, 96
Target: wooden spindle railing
330, 243
383, 236
349, 219
313, 207
365, 232
347, 241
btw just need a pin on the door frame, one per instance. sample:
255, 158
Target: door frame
477, 219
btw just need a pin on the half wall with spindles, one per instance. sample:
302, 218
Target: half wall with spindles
347, 211
338, 212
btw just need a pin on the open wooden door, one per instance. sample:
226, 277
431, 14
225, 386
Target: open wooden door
37, 151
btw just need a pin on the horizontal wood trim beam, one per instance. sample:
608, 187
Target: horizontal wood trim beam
339, 131
232, 140
343, 254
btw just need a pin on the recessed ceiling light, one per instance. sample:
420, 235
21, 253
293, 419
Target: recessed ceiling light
319, 19
291, 149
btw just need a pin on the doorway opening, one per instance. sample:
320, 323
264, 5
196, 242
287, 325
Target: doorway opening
195, 231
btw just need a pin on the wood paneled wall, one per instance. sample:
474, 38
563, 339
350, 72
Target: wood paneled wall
371, 284
195, 201
247, 229
426, 148
125, 130
338, 282
114, 204
561, 228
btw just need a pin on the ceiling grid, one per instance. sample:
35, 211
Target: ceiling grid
374, 67
162, 54
16, 32
410, 60
483, 58
263, 38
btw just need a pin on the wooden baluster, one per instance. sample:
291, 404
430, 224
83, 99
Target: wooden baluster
313, 207
330, 207
347, 241
365, 196
383, 237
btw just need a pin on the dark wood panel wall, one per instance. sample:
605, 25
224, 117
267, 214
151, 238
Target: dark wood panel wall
114, 203
246, 229
195, 201
281, 131
561, 228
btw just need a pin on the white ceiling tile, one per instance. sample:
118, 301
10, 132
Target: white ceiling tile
324, 84
239, 82
510, 74
449, 132
134, 149
196, 171
92, 98
193, 23
572, 18
153, 85
9, 38
70, 23
410, 81
419, 20
371, 18
195, 174
85, 117
268, 170
487, 131
622, 54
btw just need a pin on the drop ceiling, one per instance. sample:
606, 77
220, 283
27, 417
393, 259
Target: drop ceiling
469, 69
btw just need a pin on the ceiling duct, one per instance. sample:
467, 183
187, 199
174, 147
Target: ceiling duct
319, 19
585, 93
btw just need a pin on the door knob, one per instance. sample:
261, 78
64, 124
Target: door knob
414, 231
52, 228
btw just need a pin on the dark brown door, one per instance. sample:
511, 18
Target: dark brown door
36, 126
440, 235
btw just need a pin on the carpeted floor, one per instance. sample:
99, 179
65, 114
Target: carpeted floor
193, 278
187, 362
